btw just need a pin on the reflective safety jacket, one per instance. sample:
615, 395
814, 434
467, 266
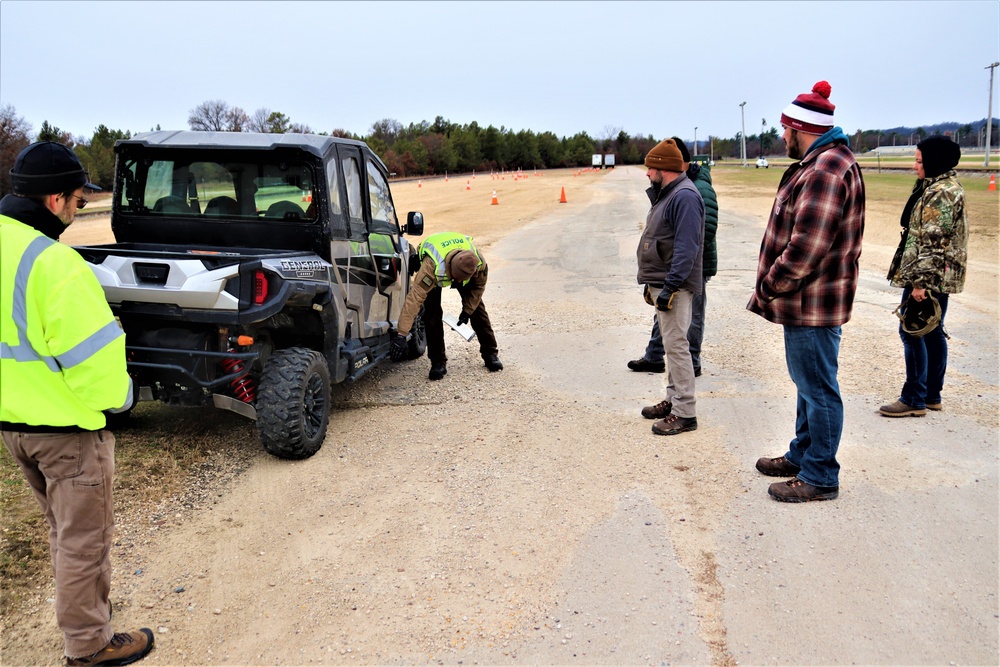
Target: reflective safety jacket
439, 246
62, 354
433, 275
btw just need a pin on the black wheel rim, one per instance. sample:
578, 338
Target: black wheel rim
314, 406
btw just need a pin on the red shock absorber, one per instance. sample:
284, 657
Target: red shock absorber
244, 388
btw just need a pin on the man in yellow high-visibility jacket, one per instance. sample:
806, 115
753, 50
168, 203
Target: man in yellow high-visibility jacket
62, 366
451, 260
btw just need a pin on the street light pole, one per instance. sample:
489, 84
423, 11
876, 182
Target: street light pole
763, 122
695, 139
989, 116
743, 136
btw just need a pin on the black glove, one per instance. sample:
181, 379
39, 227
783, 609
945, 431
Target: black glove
397, 347
463, 318
665, 300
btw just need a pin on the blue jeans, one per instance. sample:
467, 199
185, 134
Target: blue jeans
926, 360
695, 334
811, 354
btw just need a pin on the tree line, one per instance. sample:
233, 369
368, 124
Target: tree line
441, 146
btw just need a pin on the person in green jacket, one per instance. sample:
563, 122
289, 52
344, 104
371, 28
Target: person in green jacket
652, 360
62, 367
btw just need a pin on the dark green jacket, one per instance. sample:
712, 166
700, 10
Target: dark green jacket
702, 179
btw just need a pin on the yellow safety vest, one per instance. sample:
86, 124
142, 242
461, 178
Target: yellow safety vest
62, 354
439, 246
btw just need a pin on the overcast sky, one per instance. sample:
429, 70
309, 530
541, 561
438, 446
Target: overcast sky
648, 68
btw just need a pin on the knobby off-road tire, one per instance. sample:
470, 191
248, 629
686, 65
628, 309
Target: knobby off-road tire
293, 403
417, 344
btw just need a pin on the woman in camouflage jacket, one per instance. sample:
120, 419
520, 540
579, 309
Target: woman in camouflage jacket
930, 261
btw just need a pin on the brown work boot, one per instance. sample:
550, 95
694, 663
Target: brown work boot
934, 406
659, 411
900, 409
797, 491
123, 649
674, 424
777, 467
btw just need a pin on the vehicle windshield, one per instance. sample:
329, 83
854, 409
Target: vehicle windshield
207, 188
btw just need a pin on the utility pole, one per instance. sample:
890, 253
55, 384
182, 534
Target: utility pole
695, 139
989, 116
743, 136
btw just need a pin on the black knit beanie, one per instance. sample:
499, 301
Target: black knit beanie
682, 147
939, 154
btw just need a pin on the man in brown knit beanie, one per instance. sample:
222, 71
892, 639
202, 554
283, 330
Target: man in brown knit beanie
670, 267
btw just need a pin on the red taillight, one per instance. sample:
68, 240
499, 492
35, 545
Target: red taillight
259, 287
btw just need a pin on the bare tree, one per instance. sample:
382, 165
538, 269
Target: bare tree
386, 131
210, 116
258, 122
237, 120
608, 136
14, 137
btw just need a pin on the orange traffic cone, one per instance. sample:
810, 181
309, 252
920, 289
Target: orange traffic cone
420, 184
494, 202
468, 185
993, 182
562, 196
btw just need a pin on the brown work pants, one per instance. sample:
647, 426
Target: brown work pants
71, 476
479, 321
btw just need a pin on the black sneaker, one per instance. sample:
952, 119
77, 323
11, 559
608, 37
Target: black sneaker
492, 362
673, 425
645, 366
438, 371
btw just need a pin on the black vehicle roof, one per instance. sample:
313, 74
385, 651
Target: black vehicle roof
313, 143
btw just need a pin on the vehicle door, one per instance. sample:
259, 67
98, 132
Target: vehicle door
383, 242
353, 259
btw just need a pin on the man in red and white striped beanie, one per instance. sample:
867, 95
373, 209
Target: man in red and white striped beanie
807, 276
811, 113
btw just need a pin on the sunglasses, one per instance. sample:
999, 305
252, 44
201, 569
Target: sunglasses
80, 201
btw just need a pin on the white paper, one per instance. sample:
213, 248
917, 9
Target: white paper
464, 330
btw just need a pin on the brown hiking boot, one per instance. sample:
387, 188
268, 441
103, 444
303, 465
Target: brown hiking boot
900, 409
123, 649
777, 467
934, 406
673, 425
659, 411
797, 491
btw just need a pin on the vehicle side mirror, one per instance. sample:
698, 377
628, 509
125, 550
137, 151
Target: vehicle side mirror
414, 223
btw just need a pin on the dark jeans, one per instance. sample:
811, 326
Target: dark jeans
811, 354
926, 360
696, 332
479, 321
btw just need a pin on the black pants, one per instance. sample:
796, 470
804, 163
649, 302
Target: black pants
479, 321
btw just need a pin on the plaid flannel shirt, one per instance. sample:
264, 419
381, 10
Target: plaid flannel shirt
808, 269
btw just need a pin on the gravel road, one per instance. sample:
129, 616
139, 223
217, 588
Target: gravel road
531, 517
